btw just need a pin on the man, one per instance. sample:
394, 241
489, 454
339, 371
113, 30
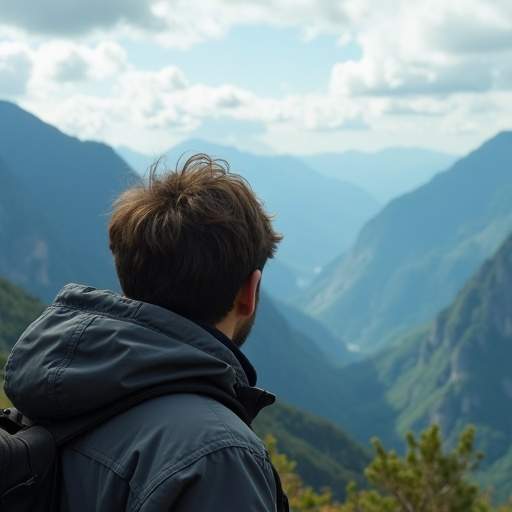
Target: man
189, 248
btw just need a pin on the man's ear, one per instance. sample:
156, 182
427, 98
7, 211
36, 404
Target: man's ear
246, 298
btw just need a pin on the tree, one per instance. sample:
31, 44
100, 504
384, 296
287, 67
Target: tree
424, 480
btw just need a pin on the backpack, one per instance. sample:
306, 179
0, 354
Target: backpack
28, 450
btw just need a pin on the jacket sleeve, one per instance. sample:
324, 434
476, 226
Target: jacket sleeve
229, 479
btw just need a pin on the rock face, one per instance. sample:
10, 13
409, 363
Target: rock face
476, 334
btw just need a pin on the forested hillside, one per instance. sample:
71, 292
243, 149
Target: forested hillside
17, 310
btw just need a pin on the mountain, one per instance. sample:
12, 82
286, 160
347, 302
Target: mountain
462, 372
453, 370
319, 216
385, 174
67, 186
410, 260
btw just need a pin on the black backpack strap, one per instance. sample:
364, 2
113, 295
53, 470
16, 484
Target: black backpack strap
282, 503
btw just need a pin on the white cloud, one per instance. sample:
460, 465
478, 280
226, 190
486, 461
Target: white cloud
425, 65
430, 48
455, 26
381, 74
178, 23
63, 61
408, 47
51, 67
53, 17
154, 100
471, 27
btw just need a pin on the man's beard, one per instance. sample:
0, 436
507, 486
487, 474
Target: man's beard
243, 330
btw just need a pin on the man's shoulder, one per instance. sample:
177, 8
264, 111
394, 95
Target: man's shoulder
160, 446
175, 425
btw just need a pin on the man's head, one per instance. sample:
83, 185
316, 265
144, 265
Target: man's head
189, 240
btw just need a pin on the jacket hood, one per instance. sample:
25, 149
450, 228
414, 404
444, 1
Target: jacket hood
92, 347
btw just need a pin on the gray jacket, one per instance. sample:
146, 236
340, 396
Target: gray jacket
180, 452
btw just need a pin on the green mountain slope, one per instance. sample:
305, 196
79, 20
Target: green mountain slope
466, 353
411, 259
334, 348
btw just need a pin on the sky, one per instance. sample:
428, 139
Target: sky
267, 76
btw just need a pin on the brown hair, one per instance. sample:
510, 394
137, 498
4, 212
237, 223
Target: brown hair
188, 239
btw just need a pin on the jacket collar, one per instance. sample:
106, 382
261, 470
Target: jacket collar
248, 368
252, 398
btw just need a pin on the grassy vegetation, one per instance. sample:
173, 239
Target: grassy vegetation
17, 310
4, 402
3, 399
